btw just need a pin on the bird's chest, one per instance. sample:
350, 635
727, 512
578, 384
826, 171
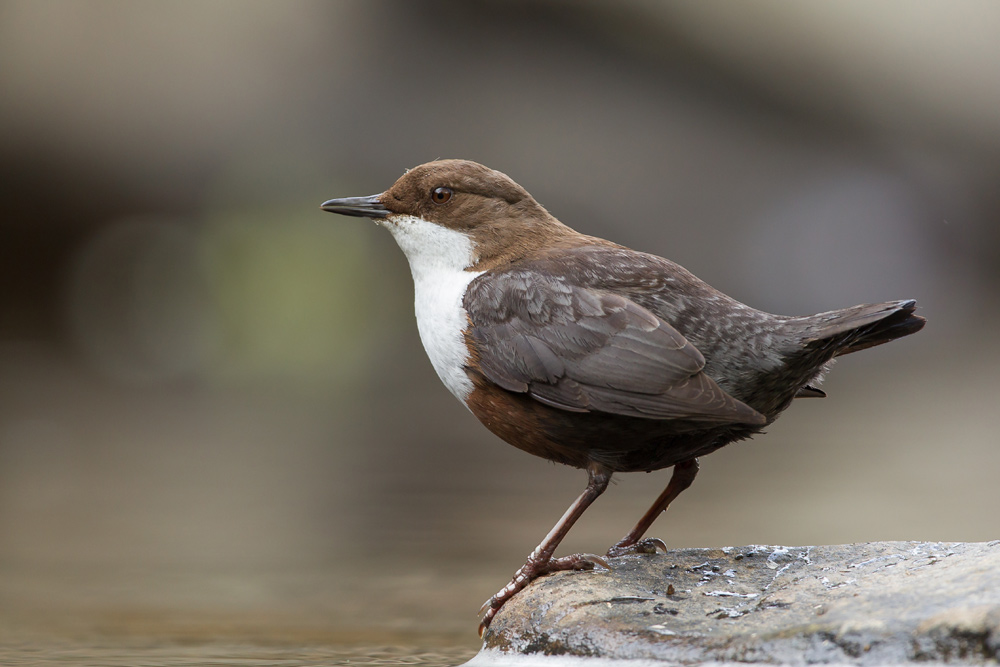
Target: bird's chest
441, 321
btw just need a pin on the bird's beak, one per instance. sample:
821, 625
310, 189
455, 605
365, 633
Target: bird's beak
359, 207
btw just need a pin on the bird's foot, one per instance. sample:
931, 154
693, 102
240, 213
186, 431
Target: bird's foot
648, 545
528, 573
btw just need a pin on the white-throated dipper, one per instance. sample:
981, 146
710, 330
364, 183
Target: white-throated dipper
588, 353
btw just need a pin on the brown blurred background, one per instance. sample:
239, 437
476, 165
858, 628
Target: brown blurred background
203, 375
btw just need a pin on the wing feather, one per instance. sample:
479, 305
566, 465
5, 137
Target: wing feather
582, 350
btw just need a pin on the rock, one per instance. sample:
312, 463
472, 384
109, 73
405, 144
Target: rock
877, 603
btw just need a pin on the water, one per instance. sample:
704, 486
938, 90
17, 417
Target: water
339, 615
249, 655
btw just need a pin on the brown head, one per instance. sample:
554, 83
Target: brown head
501, 220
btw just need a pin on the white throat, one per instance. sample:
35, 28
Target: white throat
438, 260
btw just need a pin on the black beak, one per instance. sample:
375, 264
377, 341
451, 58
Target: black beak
359, 207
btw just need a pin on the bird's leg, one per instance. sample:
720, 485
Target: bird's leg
684, 473
541, 561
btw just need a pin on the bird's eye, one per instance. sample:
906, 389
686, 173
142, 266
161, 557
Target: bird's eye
440, 195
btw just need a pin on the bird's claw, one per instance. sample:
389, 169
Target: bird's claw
528, 573
588, 561
649, 545
656, 543
482, 610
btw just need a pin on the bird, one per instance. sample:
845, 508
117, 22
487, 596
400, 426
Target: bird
587, 353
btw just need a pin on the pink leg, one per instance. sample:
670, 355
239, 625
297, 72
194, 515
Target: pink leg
540, 561
684, 473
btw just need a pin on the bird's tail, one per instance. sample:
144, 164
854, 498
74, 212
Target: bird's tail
851, 329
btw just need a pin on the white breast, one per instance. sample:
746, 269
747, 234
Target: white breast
438, 258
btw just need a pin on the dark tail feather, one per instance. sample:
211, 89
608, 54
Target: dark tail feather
901, 323
861, 327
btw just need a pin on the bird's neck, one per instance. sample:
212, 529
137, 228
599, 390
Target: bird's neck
504, 244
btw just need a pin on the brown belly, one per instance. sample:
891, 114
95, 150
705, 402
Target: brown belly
623, 444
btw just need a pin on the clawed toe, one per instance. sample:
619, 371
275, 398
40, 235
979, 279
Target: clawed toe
576, 562
485, 623
649, 545
528, 573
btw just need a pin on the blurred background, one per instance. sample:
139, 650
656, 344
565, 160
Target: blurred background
213, 401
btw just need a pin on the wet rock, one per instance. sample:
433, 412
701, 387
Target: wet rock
866, 604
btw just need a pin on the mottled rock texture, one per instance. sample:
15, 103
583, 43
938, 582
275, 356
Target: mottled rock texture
866, 604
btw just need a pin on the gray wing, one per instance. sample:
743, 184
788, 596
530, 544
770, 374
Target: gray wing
584, 350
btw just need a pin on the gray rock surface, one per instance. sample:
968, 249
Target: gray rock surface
877, 603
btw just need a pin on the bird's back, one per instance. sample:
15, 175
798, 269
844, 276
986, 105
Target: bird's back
759, 358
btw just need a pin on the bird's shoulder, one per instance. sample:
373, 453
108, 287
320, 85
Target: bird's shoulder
580, 265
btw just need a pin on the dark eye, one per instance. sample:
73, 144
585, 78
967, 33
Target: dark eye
440, 195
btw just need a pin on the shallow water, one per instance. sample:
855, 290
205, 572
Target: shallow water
334, 616
250, 655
